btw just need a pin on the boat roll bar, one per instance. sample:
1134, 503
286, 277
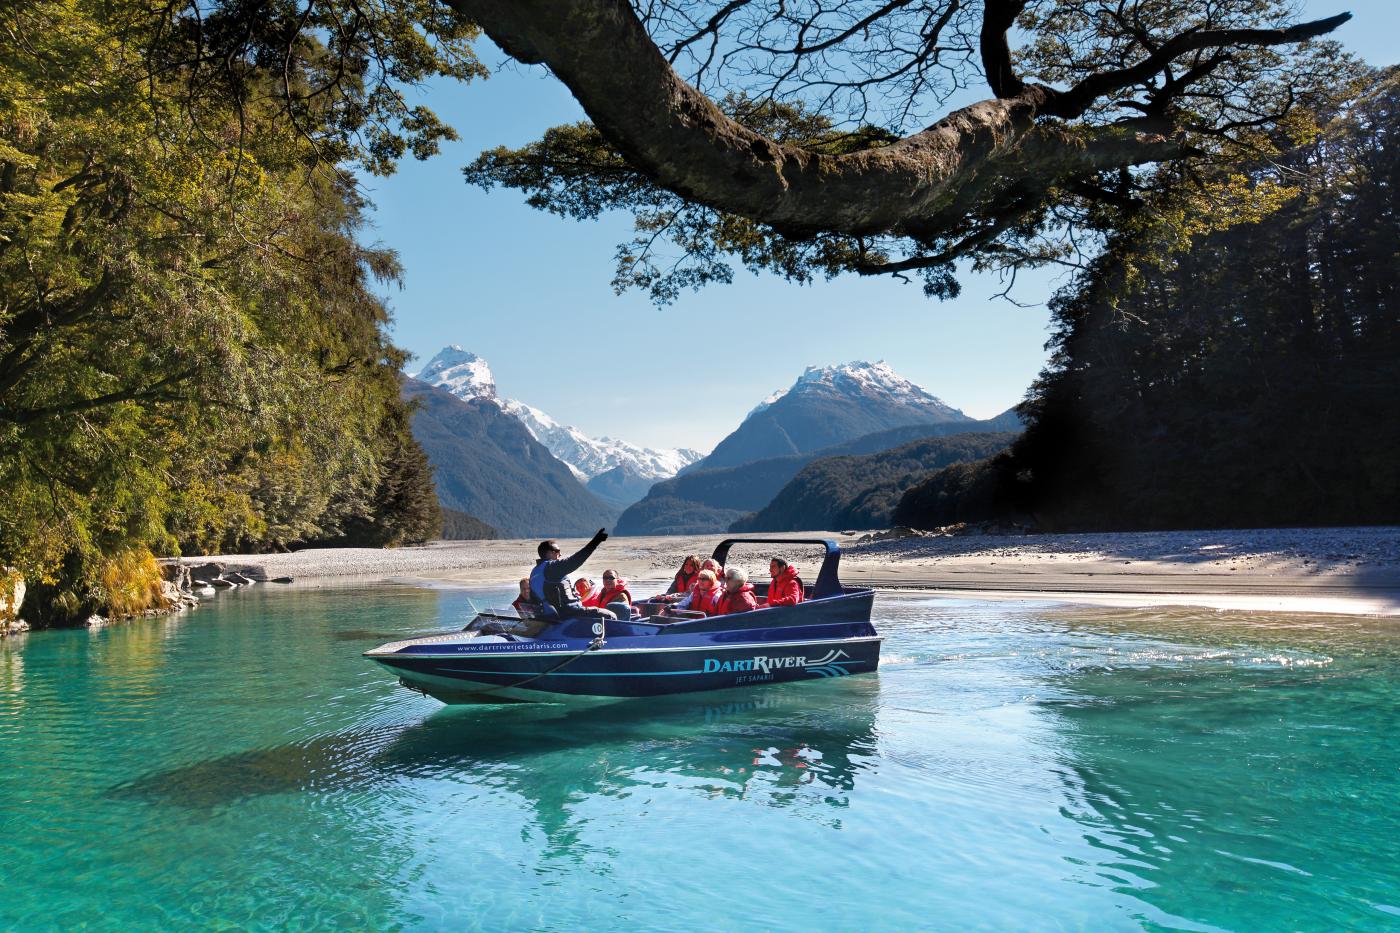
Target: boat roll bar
827, 582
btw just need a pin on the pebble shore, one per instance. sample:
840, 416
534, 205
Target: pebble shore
1351, 570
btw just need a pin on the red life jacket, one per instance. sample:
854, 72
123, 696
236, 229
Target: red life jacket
705, 601
682, 582
786, 588
611, 594
741, 601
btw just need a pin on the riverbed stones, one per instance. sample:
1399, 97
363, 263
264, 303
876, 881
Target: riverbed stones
205, 573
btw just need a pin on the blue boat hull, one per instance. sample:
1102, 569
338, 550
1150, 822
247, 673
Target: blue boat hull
632, 672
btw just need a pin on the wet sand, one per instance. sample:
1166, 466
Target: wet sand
1341, 570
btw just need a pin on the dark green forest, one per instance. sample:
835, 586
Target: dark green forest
459, 526
193, 354
1250, 380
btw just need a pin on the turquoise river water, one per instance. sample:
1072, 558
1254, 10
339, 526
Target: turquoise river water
1013, 766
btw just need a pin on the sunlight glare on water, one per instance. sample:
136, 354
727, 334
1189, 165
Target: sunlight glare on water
1013, 765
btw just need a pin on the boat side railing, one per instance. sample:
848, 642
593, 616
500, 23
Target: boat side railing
828, 582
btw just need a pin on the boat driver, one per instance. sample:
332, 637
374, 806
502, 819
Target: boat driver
550, 583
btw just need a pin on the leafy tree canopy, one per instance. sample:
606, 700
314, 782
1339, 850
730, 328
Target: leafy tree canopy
815, 138
191, 354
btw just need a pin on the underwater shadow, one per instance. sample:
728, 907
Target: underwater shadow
818, 735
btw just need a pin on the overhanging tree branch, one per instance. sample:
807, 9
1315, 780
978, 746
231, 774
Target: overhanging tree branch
677, 137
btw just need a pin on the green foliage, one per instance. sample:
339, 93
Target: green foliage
1248, 381
191, 355
573, 172
1222, 104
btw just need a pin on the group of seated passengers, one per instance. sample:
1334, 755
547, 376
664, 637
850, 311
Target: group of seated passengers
696, 588
698, 585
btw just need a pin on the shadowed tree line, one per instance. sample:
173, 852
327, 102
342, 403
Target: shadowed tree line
1250, 380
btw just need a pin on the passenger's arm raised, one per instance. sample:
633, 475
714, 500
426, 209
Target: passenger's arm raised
560, 569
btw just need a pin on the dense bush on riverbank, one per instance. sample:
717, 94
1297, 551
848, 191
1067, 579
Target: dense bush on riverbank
1248, 381
192, 356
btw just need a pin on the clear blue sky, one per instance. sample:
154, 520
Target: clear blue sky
530, 292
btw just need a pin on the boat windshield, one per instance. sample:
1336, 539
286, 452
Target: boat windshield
506, 622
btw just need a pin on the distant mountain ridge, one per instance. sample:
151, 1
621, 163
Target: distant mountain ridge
863, 491
468, 376
708, 500
488, 465
828, 405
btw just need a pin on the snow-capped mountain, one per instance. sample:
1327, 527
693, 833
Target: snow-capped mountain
591, 456
460, 372
467, 375
828, 405
870, 381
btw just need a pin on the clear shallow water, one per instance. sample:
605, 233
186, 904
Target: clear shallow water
1012, 766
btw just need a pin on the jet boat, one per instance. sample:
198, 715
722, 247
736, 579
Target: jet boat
503, 655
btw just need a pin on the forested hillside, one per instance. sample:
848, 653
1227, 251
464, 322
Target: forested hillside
862, 492
1250, 380
193, 355
710, 499
459, 526
487, 464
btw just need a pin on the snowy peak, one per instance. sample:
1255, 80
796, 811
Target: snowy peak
467, 375
831, 405
873, 381
593, 455
460, 372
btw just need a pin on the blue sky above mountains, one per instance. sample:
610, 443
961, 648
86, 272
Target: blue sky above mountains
530, 292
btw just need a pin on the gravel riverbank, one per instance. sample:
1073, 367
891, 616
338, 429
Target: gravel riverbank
1350, 570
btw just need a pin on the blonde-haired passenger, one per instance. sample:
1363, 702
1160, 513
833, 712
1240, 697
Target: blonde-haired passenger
705, 595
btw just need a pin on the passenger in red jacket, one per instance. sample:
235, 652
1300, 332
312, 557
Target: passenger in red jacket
786, 588
613, 590
525, 602
704, 596
685, 577
738, 593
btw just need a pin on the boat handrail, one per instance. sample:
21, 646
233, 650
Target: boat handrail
827, 583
